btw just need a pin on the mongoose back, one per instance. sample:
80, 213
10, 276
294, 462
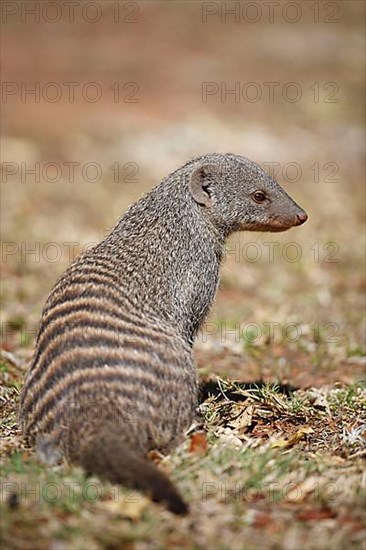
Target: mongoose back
113, 374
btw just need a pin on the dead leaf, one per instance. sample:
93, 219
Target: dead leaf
317, 514
283, 443
242, 421
198, 443
300, 492
318, 399
227, 437
155, 456
130, 507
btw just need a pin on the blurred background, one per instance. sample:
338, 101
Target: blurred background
101, 100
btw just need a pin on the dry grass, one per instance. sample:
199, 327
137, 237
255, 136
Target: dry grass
268, 467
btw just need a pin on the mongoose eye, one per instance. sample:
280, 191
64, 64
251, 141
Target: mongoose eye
258, 196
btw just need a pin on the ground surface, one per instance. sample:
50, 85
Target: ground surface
279, 463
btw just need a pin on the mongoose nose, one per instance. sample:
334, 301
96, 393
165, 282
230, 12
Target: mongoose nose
301, 217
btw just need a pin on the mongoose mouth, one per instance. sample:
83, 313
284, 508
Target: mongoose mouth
276, 226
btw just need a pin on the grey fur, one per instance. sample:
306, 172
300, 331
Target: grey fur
113, 373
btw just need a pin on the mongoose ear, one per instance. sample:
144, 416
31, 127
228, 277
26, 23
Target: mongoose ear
199, 185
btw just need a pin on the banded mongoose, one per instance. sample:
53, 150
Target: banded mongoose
113, 374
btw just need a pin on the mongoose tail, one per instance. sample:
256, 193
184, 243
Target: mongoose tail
106, 455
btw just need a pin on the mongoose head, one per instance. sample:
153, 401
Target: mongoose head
237, 195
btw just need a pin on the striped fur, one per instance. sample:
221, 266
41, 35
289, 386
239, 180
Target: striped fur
112, 374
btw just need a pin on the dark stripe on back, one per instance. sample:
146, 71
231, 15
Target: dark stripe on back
53, 397
62, 369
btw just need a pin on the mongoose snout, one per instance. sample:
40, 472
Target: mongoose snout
117, 330
301, 217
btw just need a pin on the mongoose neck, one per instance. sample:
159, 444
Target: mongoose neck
168, 257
